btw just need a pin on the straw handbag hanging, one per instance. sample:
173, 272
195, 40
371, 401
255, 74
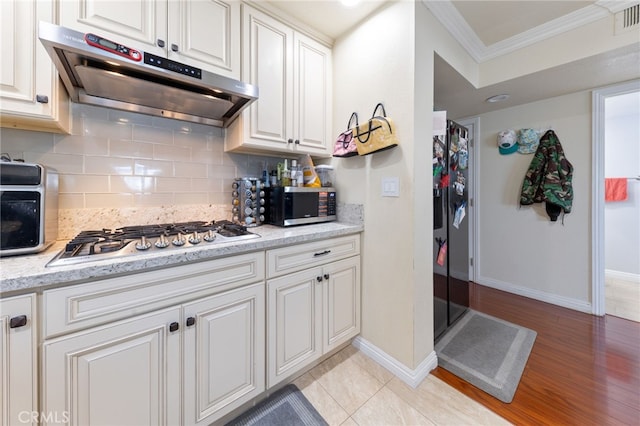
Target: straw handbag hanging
377, 134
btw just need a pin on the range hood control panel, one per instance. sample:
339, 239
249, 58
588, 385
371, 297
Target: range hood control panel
168, 64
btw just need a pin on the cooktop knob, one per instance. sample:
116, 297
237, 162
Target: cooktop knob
143, 244
162, 242
209, 236
179, 240
194, 238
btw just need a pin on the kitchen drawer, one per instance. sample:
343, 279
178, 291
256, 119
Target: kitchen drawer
80, 306
303, 256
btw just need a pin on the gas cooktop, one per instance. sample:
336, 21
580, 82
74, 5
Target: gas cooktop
110, 244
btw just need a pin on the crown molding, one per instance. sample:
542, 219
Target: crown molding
453, 21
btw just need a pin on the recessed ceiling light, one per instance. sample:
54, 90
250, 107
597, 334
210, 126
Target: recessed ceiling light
349, 3
497, 98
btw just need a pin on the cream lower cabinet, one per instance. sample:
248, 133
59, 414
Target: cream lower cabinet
224, 356
18, 363
187, 363
312, 311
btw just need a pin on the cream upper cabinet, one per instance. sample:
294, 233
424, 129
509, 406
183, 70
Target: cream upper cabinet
18, 362
31, 95
293, 76
203, 33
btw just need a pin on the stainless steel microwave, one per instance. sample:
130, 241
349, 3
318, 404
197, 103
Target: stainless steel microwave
28, 208
290, 205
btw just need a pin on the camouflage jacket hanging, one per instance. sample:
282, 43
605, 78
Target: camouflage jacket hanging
548, 178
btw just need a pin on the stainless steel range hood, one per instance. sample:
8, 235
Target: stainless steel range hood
121, 77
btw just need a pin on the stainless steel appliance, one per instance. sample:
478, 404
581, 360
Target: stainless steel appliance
28, 207
249, 201
102, 72
103, 244
450, 226
290, 205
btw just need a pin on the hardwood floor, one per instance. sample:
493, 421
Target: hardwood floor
583, 370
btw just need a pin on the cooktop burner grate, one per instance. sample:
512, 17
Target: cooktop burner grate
110, 243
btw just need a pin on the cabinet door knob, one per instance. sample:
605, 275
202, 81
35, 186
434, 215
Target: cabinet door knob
297, 142
43, 99
19, 321
174, 326
289, 140
326, 276
319, 278
190, 321
174, 47
160, 43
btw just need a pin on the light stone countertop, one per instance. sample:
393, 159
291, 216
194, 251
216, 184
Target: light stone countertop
27, 273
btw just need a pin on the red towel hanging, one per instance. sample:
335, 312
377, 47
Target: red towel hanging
615, 189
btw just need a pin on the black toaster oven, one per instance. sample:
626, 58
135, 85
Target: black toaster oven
28, 208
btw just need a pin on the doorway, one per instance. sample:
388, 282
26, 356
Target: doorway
615, 227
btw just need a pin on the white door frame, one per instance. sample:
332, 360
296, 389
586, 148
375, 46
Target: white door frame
597, 184
473, 125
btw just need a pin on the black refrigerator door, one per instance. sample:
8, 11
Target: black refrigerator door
458, 223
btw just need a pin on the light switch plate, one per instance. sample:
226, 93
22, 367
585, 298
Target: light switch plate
391, 187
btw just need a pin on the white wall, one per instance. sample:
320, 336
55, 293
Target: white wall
519, 248
389, 59
622, 159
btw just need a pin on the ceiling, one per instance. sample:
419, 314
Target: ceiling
488, 29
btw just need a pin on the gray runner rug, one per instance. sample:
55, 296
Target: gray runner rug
286, 407
487, 352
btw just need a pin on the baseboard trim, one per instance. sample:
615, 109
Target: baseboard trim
554, 299
411, 377
624, 276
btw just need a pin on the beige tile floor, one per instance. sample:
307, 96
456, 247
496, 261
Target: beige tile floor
351, 389
622, 297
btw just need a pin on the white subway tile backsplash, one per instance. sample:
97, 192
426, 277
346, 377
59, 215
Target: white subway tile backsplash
152, 134
172, 185
119, 160
148, 200
193, 170
153, 168
108, 166
129, 148
81, 184
107, 200
106, 129
70, 201
132, 184
63, 163
193, 198
171, 153
89, 145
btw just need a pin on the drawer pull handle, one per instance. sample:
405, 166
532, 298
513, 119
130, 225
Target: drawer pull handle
326, 276
190, 321
319, 278
174, 326
19, 321
322, 253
